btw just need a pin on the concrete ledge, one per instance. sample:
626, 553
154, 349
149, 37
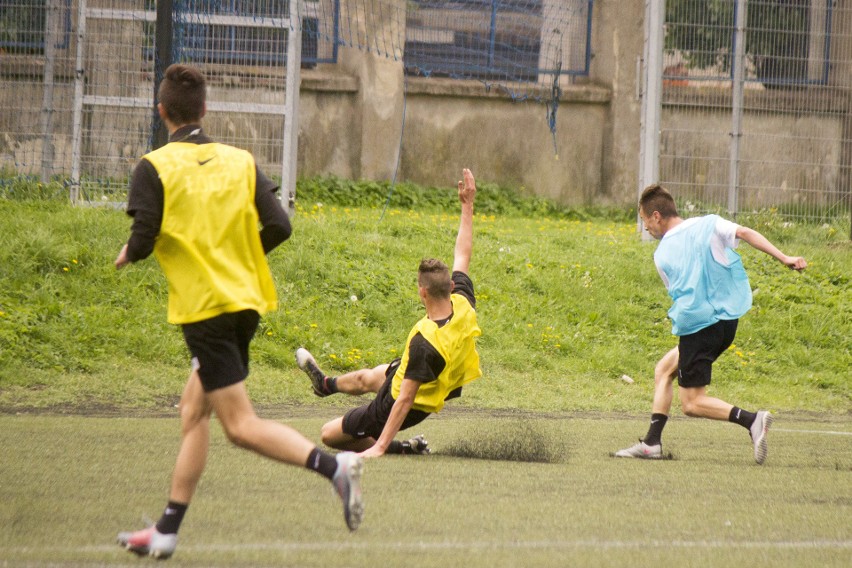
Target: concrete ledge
325, 81
821, 99
441, 87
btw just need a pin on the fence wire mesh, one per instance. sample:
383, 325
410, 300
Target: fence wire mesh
781, 139
77, 77
77, 84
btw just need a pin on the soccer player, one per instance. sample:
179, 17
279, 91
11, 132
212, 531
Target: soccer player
196, 205
710, 291
440, 357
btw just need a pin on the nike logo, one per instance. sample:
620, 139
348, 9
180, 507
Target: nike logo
654, 421
201, 163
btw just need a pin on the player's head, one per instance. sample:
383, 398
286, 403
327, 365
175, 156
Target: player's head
656, 207
182, 94
433, 277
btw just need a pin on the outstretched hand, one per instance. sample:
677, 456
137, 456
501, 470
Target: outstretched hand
467, 187
796, 262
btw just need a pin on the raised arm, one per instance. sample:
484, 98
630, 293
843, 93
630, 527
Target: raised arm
464, 240
761, 243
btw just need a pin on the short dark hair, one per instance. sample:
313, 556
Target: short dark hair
657, 198
434, 276
182, 93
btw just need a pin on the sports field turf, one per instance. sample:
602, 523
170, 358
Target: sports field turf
69, 484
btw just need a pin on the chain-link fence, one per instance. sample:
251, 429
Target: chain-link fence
757, 107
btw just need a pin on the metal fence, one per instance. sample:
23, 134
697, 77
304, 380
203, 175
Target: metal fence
498, 40
78, 77
757, 107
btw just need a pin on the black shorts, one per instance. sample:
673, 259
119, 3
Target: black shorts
697, 352
369, 420
220, 347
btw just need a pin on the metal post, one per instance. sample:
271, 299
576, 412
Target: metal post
291, 108
163, 57
652, 100
51, 38
737, 104
77, 115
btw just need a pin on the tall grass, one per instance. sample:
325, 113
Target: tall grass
569, 301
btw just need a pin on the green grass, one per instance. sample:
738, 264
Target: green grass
69, 484
568, 302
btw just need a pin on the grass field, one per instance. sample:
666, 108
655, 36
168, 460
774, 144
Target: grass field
69, 484
569, 302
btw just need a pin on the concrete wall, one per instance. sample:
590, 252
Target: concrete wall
450, 125
351, 121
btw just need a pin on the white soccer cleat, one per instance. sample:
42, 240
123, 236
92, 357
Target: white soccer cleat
758, 431
347, 483
641, 451
149, 542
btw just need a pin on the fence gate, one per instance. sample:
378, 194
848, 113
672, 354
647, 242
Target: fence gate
754, 107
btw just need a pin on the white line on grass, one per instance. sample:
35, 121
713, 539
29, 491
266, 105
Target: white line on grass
544, 544
830, 432
468, 545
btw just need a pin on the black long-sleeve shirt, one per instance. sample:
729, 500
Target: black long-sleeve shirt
146, 197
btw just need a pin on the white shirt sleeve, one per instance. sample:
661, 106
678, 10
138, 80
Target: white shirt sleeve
724, 237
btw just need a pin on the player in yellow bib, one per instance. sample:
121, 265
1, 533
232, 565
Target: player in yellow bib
196, 204
440, 357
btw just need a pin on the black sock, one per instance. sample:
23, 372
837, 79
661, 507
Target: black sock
322, 463
172, 517
330, 384
742, 417
655, 430
396, 447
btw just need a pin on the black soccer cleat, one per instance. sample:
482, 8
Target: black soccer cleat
416, 445
308, 364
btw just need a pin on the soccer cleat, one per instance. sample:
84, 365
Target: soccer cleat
758, 431
308, 364
347, 483
149, 542
416, 445
641, 451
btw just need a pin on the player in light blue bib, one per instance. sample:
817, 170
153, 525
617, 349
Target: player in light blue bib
710, 291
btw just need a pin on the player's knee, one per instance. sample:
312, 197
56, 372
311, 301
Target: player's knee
326, 435
191, 415
330, 434
689, 408
239, 433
